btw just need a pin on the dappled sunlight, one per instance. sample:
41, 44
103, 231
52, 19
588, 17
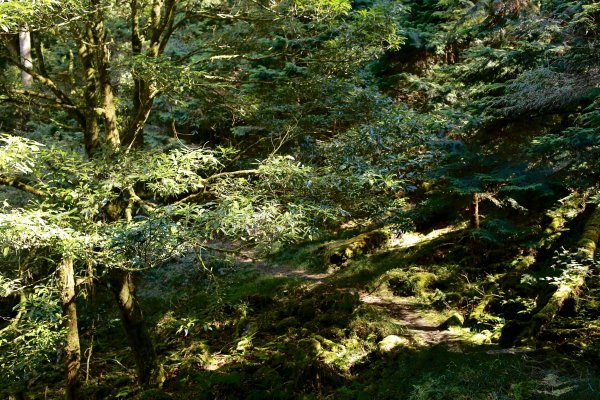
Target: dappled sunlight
299, 199
411, 239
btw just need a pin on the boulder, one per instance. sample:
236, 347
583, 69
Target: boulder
455, 320
392, 342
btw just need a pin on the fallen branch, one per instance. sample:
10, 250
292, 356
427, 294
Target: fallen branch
14, 182
569, 285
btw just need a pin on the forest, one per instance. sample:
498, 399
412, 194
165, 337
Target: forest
299, 199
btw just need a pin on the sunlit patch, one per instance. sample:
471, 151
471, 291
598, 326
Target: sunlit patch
410, 239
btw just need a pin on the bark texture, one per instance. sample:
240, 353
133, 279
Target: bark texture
72, 350
26, 59
123, 287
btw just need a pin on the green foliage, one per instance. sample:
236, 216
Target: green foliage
312, 115
13, 13
31, 346
92, 213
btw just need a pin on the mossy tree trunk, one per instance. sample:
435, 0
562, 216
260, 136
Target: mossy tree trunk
591, 235
571, 282
89, 122
159, 28
72, 350
586, 248
123, 287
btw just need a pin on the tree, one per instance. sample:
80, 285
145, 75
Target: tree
109, 208
93, 228
26, 58
123, 71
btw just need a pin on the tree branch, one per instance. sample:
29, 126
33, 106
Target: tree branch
231, 173
14, 182
44, 80
195, 196
32, 94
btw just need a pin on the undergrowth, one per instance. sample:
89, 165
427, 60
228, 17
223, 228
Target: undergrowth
226, 329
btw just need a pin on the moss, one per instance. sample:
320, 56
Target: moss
346, 301
337, 253
522, 264
286, 323
591, 235
392, 342
266, 375
321, 307
455, 320
405, 283
478, 312
569, 207
568, 286
154, 394
373, 324
306, 351
307, 309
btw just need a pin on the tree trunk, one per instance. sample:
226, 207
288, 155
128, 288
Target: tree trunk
102, 57
91, 130
160, 29
123, 287
571, 282
72, 351
134, 135
475, 219
25, 52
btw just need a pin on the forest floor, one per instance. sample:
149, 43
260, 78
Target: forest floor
421, 330
288, 326
405, 311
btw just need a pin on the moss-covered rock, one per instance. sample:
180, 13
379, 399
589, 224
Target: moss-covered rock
307, 309
337, 253
392, 342
455, 320
411, 283
345, 301
286, 323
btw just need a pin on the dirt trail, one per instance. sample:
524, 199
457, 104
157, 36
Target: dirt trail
420, 330
278, 270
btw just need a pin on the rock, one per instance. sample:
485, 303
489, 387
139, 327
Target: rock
454, 321
339, 252
307, 309
286, 323
391, 342
411, 283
